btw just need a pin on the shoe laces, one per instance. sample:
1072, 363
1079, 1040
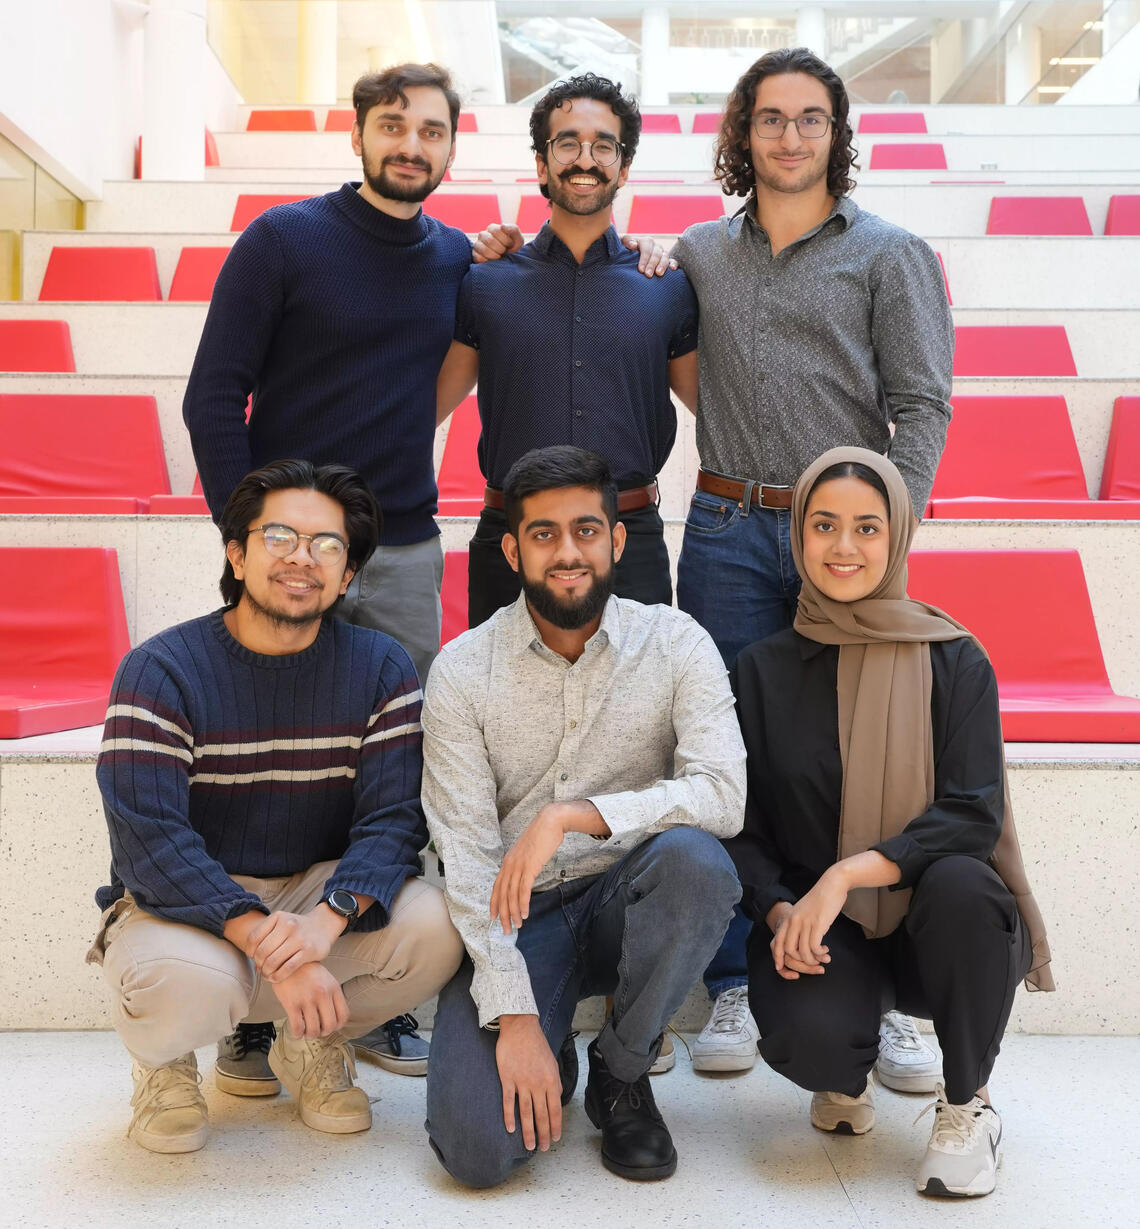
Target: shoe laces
730, 1011
635, 1095
397, 1027
332, 1066
169, 1087
957, 1128
253, 1037
901, 1032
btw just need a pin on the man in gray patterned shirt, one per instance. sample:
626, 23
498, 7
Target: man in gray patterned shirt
820, 325
581, 758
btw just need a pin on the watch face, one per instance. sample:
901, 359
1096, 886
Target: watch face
343, 902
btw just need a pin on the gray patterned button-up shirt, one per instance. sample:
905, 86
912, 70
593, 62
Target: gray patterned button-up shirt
842, 333
642, 724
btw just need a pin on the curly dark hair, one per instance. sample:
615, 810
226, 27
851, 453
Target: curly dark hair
588, 85
338, 482
733, 165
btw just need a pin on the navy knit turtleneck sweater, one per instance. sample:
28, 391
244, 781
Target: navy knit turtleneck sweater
336, 317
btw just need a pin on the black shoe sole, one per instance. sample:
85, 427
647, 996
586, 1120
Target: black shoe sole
638, 1174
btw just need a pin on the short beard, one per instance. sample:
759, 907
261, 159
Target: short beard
569, 616
578, 205
392, 190
278, 619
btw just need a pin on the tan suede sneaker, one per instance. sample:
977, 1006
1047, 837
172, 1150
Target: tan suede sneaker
318, 1075
170, 1112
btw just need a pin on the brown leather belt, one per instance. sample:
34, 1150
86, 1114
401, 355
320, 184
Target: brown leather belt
729, 488
630, 500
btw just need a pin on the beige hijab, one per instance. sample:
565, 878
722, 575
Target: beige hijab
885, 734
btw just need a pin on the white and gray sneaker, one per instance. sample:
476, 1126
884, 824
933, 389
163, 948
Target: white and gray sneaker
318, 1074
844, 1115
906, 1062
964, 1152
728, 1041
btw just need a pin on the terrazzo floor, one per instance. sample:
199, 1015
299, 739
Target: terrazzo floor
748, 1156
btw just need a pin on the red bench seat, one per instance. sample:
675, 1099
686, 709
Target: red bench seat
671, 213
907, 157
1120, 479
36, 345
1038, 215
195, 274
888, 121
453, 595
1123, 216
101, 274
294, 119
469, 211
251, 205
461, 482
1012, 350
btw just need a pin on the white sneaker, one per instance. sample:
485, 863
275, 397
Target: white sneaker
844, 1115
318, 1075
964, 1152
170, 1112
728, 1041
906, 1062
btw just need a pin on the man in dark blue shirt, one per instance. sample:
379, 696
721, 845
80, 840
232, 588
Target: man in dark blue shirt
571, 345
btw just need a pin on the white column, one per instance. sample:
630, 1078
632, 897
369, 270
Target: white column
654, 85
811, 29
174, 90
1023, 66
316, 52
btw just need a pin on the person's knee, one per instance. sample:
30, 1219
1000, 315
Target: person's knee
958, 891
429, 942
477, 1163
695, 861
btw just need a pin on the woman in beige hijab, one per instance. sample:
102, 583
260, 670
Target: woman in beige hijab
878, 848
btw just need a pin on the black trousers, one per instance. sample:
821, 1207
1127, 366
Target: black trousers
642, 573
956, 958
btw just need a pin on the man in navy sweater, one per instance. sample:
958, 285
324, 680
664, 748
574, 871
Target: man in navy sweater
260, 773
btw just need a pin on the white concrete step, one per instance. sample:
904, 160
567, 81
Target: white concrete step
912, 200
989, 272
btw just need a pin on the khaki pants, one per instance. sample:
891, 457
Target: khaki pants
176, 988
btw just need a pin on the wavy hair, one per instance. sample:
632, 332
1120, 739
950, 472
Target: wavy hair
733, 162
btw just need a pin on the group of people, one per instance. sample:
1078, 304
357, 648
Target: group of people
624, 796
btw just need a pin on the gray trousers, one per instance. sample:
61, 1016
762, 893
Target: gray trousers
397, 592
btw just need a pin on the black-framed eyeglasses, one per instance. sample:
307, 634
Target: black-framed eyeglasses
810, 126
282, 540
605, 150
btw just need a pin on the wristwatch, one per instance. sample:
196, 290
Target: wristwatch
344, 903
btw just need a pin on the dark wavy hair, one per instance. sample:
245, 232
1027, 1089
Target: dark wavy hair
549, 469
244, 507
733, 163
588, 85
389, 86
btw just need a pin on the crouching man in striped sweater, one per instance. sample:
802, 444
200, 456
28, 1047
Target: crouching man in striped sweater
260, 774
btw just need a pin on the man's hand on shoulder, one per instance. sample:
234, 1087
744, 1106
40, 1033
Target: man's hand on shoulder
528, 1072
654, 259
313, 1000
283, 942
496, 241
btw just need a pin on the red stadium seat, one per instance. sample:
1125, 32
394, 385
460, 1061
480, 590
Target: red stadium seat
104, 274
706, 122
671, 214
454, 595
35, 345
660, 122
898, 121
1123, 216
1015, 458
178, 505
340, 119
251, 205
211, 149
1031, 610
945, 279
1038, 215
63, 631
461, 482
925, 157
1121, 477
195, 274
469, 211
467, 122
59, 449
299, 119
534, 210
1012, 350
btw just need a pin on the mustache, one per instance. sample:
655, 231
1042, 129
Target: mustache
570, 567
396, 160
580, 172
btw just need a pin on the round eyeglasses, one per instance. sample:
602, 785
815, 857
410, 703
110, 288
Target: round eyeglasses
282, 540
773, 127
605, 150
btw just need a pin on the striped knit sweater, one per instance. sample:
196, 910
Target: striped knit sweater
218, 761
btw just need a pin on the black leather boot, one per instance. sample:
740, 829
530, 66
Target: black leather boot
568, 1066
635, 1140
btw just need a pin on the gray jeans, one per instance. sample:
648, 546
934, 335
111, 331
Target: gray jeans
397, 592
642, 931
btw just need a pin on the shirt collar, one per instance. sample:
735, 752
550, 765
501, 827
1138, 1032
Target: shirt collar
607, 247
522, 634
811, 648
843, 213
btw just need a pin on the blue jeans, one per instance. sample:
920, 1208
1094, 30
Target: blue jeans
642, 932
736, 577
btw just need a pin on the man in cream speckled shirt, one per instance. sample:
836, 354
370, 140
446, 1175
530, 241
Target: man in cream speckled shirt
583, 747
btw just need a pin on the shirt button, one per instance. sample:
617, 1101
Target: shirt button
577, 362
579, 319
577, 413
573, 725
565, 776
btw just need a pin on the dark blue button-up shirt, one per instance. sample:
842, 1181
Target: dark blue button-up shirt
576, 354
